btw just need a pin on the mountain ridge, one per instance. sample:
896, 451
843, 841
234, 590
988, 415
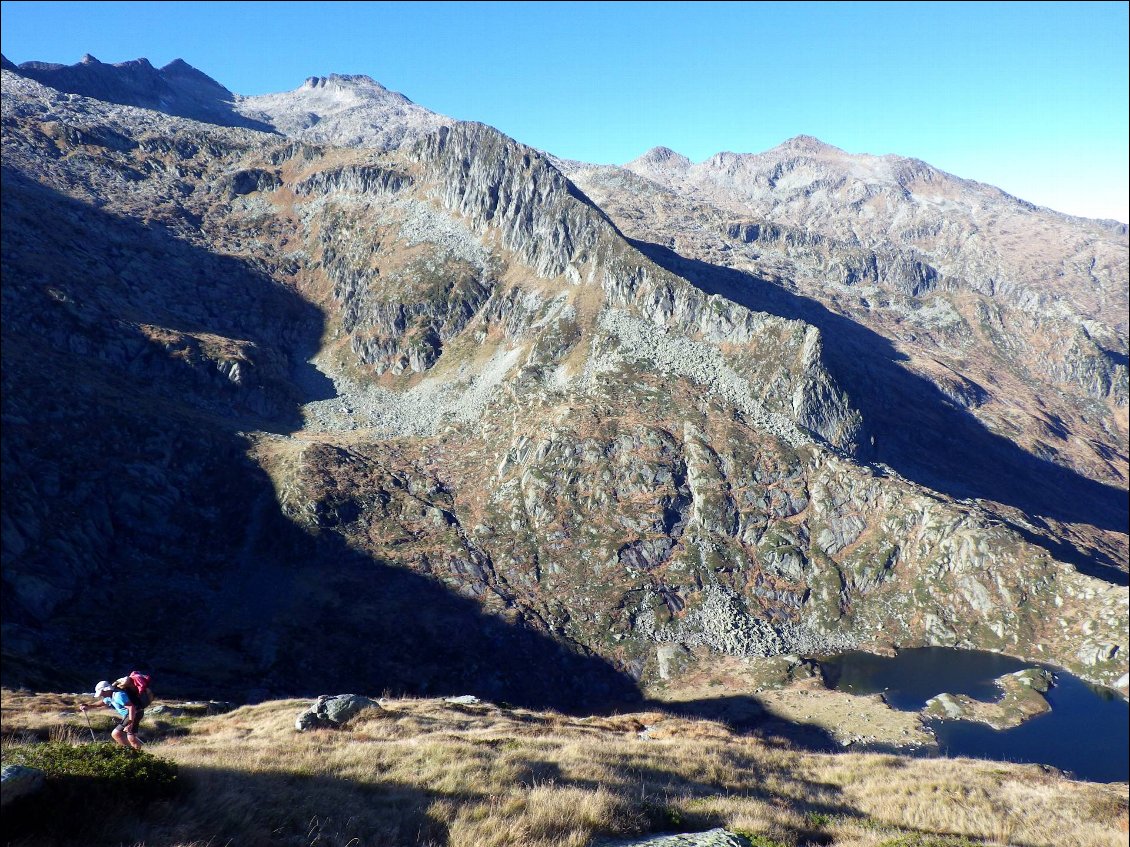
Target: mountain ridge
177, 88
810, 144
801, 143
721, 471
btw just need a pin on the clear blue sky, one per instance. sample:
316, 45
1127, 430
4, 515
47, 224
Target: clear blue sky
1028, 96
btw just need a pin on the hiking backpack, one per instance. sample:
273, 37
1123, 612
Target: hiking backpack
136, 687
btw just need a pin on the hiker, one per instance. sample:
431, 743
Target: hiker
120, 701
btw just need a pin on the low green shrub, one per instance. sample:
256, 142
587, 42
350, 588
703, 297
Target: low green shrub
85, 783
757, 839
662, 817
117, 766
918, 839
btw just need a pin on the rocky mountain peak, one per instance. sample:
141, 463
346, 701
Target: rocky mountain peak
722, 160
176, 89
353, 81
180, 69
664, 155
660, 163
807, 144
352, 89
347, 109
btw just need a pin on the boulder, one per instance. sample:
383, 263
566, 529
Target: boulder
331, 711
711, 838
18, 781
462, 700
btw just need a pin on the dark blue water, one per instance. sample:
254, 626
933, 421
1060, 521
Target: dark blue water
1087, 732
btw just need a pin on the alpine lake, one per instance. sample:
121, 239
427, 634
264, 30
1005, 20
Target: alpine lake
1086, 731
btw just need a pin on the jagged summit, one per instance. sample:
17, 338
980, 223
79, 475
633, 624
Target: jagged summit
667, 158
179, 68
662, 154
356, 88
660, 163
355, 81
671, 163
349, 109
176, 89
797, 145
807, 144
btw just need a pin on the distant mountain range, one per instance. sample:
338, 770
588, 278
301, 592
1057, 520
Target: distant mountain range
346, 391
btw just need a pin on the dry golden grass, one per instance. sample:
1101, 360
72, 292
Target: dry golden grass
425, 772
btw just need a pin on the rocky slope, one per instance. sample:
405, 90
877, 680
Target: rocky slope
975, 236
1000, 328
423, 418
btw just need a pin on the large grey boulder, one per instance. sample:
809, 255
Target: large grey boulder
330, 711
18, 781
711, 838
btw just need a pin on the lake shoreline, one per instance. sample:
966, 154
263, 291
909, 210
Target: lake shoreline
960, 703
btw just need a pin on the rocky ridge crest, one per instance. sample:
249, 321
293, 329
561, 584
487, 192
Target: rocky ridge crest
590, 458
347, 110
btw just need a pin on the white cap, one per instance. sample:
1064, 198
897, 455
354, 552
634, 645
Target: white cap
104, 685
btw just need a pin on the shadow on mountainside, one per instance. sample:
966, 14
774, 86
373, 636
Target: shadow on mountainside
745, 714
341, 621
129, 486
154, 311
234, 806
304, 805
228, 806
915, 428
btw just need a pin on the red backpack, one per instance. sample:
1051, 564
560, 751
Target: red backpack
136, 687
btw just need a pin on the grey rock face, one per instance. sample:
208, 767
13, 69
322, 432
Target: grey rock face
842, 262
331, 711
463, 700
354, 179
17, 781
211, 707
494, 181
710, 838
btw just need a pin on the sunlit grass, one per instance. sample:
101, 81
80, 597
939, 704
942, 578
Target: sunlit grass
424, 772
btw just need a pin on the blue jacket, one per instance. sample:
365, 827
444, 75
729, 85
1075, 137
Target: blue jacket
119, 702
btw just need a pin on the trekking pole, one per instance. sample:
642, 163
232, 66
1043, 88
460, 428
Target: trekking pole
88, 726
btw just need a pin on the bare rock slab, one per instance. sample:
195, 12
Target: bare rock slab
710, 838
18, 781
332, 711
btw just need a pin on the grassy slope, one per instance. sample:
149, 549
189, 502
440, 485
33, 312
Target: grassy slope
425, 772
